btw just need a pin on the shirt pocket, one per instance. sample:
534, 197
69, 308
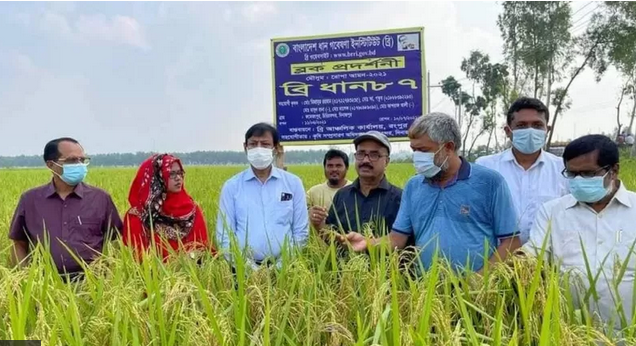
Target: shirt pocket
283, 212
624, 253
87, 227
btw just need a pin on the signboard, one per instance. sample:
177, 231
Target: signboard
329, 89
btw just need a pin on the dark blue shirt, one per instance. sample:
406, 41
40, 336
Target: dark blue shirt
351, 210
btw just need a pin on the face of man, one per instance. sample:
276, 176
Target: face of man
335, 170
70, 153
265, 140
587, 166
372, 158
442, 152
527, 118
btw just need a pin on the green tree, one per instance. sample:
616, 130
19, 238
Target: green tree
537, 44
491, 80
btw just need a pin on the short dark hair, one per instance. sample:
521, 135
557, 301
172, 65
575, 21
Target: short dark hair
527, 103
52, 148
335, 153
607, 150
261, 129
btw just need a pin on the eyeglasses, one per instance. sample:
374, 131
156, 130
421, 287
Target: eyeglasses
174, 175
372, 156
74, 160
585, 174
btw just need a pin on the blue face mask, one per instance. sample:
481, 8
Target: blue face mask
73, 174
528, 141
589, 190
425, 163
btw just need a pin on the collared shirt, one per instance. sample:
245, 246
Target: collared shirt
351, 209
529, 188
81, 222
322, 194
457, 220
262, 216
575, 231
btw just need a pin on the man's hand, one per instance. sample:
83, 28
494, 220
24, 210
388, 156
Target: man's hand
317, 216
358, 241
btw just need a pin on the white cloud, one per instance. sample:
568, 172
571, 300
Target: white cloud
56, 23
119, 29
258, 11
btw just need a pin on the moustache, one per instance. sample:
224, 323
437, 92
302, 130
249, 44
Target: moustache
366, 165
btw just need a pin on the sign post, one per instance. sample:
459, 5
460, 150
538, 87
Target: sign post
329, 89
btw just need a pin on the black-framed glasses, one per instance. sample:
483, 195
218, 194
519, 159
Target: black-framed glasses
585, 174
373, 156
175, 174
74, 160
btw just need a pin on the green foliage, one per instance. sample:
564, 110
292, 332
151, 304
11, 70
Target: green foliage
316, 298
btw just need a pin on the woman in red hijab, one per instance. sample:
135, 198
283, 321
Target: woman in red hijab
161, 207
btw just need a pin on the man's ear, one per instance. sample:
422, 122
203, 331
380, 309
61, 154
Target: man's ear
508, 131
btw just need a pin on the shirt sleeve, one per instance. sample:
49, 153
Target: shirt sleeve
226, 219
503, 212
300, 225
539, 232
112, 220
403, 222
18, 230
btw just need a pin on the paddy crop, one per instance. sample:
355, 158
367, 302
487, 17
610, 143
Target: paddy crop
316, 298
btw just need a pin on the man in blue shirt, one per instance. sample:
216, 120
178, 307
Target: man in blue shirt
263, 207
451, 206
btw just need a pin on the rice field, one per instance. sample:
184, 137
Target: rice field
316, 298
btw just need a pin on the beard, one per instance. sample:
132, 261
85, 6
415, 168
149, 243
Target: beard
333, 181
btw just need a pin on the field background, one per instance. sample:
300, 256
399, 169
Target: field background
315, 299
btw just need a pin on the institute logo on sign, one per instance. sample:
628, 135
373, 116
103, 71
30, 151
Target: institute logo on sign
282, 50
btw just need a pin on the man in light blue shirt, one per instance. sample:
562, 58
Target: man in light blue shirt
460, 210
264, 208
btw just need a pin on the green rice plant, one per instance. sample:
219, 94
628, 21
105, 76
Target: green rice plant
322, 294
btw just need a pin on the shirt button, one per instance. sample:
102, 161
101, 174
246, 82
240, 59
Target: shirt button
65, 223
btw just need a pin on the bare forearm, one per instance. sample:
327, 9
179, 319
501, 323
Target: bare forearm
19, 253
505, 249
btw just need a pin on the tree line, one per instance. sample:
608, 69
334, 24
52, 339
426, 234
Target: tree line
546, 47
193, 158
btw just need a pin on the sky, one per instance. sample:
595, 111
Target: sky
180, 77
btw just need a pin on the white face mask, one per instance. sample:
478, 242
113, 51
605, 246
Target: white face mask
260, 158
425, 163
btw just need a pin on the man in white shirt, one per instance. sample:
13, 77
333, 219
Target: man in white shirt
629, 140
596, 221
532, 174
263, 207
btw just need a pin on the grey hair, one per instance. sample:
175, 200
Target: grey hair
441, 127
